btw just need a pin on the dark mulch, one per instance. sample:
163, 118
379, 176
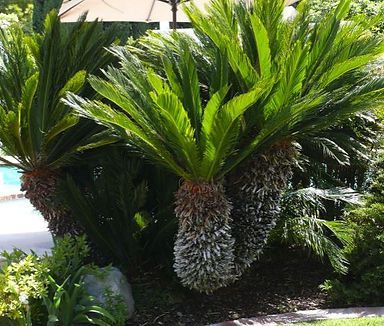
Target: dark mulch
287, 282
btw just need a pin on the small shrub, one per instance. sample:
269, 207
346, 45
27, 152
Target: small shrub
21, 282
302, 223
71, 305
49, 290
369, 8
68, 255
364, 283
124, 206
116, 306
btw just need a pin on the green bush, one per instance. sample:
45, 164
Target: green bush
370, 8
124, 206
20, 282
110, 205
364, 283
49, 290
67, 257
21, 3
14, 13
304, 224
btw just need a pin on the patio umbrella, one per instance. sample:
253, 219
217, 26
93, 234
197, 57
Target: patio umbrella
129, 10
126, 10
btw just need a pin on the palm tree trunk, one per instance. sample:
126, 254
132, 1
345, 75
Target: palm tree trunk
40, 188
204, 244
256, 195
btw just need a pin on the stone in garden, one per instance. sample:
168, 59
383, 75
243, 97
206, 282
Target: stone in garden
112, 280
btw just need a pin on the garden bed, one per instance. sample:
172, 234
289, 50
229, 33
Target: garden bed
288, 282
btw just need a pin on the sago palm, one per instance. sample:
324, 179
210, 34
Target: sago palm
320, 76
250, 86
303, 223
167, 121
325, 62
36, 129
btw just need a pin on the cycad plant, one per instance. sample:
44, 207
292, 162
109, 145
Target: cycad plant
306, 224
320, 77
36, 129
249, 87
167, 121
111, 205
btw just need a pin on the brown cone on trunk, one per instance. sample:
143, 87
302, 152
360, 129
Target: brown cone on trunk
256, 190
40, 188
204, 245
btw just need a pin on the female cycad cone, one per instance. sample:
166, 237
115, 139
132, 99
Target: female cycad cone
40, 188
204, 245
256, 195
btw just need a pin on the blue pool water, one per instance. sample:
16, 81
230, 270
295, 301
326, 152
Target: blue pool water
9, 176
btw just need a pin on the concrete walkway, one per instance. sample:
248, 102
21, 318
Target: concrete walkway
21, 226
306, 315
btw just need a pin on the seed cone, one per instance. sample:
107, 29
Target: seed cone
204, 244
40, 188
256, 195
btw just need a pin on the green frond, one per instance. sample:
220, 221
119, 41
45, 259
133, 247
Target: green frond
172, 77
315, 75
26, 136
262, 45
75, 83
127, 128
331, 150
36, 72
179, 131
293, 74
224, 39
210, 113
64, 124
301, 223
121, 98
220, 141
342, 68
190, 87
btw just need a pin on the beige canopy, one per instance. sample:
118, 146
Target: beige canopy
128, 10
123, 10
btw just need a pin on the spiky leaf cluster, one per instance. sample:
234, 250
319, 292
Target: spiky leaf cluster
166, 120
251, 81
40, 188
204, 245
256, 190
37, 70
40, 133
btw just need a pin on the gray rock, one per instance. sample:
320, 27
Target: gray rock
110, 280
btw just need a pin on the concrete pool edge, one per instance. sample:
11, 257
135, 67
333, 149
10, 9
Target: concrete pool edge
23, 227
11, 196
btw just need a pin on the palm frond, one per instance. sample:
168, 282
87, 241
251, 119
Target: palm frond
316, 77
225, 129
302, 225
38, 69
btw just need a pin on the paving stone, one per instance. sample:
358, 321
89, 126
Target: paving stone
307, 315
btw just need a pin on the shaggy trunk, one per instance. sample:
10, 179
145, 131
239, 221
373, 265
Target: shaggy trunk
204, 245
256, 195
40, 188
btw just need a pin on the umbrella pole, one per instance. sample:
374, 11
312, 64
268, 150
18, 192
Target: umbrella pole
174, 14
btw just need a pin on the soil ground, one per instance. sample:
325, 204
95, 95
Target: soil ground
287, 282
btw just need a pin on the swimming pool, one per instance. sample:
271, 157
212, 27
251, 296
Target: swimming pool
9, 176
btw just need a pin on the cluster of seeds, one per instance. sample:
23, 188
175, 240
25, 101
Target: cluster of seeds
256, 196
204, 244
216, 242
40, 188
